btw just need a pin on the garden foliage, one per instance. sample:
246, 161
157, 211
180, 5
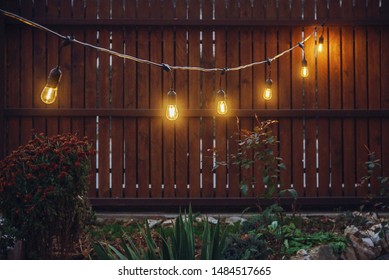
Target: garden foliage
43, 192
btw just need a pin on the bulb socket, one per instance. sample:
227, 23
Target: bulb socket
54, 77
172, 97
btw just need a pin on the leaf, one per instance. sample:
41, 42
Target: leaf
244, 188
282, 166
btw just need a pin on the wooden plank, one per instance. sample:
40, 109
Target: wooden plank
40, 76
374, 89
246, 85
297, 124
64, 99
322, 11
232, 88
90, 89
104, 101
143, 124
348, 100
334, 11
310, 124
77, 70
221, 122
117, 102
361, 102
182, 125
323, 97
385, 99
157, 93
130, 138
12, 93
3, 86
259, 78
52, 62
169, 126
207, 103
285, 102
194, 102
336, 154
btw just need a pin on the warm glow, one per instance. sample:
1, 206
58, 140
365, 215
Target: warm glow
304, 69
222, 107
321, 43
49, 94
171, 112
267, 93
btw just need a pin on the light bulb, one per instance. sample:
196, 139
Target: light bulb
221, 108
171, 110
267, 93
304, 68
320, 46
49, 92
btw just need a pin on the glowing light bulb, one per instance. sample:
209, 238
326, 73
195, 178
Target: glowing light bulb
267, 93
49, 92
321, 42
304, 68
221, 108
171, 110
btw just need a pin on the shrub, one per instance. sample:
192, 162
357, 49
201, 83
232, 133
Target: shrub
246, 247
43, 192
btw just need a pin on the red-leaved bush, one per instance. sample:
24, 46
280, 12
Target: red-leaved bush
43, 192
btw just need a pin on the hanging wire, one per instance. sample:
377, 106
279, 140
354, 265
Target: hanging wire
161, 65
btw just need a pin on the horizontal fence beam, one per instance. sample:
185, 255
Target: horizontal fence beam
271, 113
234, 204
204, 22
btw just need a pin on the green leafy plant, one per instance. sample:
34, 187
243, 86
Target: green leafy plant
246, 247
43, 192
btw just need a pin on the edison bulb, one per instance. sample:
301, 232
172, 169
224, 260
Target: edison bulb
304, 68
222, 107
267, 93
171, 112
49, 92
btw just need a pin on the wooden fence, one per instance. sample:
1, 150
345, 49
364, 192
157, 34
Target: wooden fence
325, 120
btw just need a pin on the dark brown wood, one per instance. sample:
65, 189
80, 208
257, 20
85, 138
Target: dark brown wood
336, 154
3, 71
297, 124
348, 99
323, 98
385, 98
194, 103
104, 101
117, 102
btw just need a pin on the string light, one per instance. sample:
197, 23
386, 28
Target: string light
221, 107
267, 92
49, 93
171, 109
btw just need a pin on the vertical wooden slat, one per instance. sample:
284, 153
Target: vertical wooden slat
77, 69
13, 68
221, 122
64, 88
297, 124
104, 102
117, 102
39, 69
156, 95
143, 95
310, 103
385, 98
246, 86
233, 97
323, 124
259, 79
169, 126
90, 88
194, 102
182, 137
284, 96
130, 78
348, 100
207, 103
3, 71
335, 103
52, 62
374, 88
361, 95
